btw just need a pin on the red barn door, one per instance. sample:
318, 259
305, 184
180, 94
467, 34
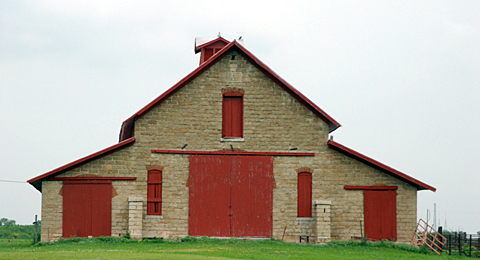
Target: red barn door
87, 208
380, 213
230, 196
251, 196
209, 199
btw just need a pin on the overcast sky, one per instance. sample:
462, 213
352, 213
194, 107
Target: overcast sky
402, 77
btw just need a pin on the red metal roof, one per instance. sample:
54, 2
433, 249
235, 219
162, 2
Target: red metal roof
37, 181
219, 39
378, 165
257, 63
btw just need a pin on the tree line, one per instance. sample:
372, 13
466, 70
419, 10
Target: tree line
10, 230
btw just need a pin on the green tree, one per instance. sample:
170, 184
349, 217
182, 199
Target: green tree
10, 223
9, 229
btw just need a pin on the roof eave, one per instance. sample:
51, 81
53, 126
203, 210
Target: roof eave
376, 164
37, 181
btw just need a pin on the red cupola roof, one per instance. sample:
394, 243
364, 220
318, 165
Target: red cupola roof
209, 46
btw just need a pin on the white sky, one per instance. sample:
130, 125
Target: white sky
402, 77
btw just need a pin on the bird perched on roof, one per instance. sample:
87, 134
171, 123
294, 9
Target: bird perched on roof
219, 34
240, 38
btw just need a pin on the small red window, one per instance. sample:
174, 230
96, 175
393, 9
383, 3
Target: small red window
232, 123
304, 195
154, 193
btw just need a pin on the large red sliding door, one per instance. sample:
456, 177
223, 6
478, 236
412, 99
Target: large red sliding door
380, 213
87, 208
230, 196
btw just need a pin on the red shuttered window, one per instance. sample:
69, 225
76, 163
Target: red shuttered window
304, 195
232, 123
154, 193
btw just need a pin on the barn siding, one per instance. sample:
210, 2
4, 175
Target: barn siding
273, 122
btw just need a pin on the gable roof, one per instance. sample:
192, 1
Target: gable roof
37, 181
379, 166
128, 125
127, 130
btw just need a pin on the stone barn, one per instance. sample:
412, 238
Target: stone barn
231, 150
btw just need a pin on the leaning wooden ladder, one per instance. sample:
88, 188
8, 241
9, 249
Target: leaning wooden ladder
425, 234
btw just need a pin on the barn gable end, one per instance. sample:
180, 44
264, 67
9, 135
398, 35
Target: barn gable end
282, 132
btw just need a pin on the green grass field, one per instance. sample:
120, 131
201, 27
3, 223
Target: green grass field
204, 248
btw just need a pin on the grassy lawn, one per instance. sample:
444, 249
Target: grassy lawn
204, 248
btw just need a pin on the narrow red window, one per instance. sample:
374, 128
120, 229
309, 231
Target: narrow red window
232, 123
154, 193
304, 195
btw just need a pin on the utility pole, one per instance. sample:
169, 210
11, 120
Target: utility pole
36, 229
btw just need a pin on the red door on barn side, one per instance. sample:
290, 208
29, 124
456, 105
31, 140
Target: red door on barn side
230, 196
87, 208
380, 213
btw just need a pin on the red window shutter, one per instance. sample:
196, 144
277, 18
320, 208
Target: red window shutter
154, 193
304, 194
208, 54
232, 123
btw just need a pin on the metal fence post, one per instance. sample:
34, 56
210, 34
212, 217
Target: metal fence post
450, 244
470, 246
459, 243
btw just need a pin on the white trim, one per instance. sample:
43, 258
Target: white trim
154, 216
134, 199
232, 139
322, 202
304, 218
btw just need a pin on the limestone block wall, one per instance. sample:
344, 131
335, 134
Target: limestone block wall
174, 219
331, 172
274, 121
52, 211
135, 217
347, 205
323, 220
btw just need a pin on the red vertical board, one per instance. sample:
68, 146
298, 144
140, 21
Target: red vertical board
226, 114
230, 196
304, 191
76, 210
380, 214
237, 117
232, 122
154, 192
208, 54
101, 222
87, 207
252, 196
209, 201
